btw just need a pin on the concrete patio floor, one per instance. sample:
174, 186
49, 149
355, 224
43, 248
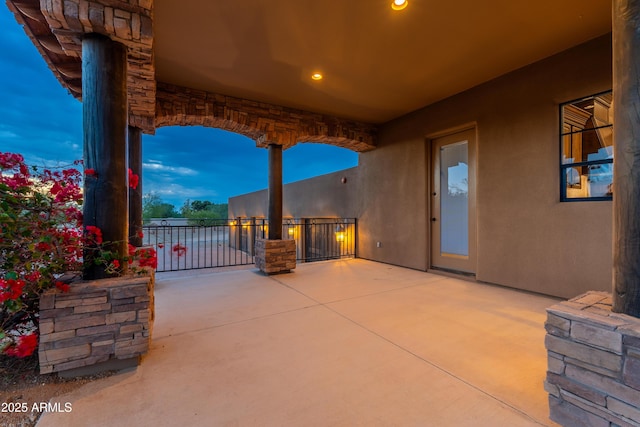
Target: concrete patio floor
341, 343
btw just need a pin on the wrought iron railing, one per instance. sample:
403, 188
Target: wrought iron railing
321, 238
209, 243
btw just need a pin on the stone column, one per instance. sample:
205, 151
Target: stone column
275, 192
104, 112
626, 185
135, 194
274, 255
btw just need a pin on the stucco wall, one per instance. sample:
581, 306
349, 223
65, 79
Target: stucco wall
325, 196
526, 238
392, 201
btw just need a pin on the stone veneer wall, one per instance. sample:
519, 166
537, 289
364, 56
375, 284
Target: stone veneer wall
275, 256
129, 22
593, 376
264, 123
96, 321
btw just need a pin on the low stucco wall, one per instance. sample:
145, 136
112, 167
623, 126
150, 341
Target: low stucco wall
327, 196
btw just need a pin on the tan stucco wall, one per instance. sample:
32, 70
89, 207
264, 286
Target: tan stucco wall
526, 238
324, 196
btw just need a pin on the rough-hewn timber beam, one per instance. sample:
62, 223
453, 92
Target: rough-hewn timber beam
626, 184
104, 114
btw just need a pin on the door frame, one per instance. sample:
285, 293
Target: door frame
472, 264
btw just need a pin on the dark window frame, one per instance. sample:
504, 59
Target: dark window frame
564, 167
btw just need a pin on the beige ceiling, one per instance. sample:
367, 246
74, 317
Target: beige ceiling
378, 64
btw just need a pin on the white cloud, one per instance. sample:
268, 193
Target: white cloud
158, 166
177, 194
6, 134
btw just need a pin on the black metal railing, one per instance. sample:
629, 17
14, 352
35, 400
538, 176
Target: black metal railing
209, 243
320, 239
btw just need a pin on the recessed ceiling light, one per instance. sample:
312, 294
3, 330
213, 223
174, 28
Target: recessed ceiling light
399, 4
316, 76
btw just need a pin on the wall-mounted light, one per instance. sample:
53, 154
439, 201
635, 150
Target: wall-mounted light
399, 4
340, 233
316, 76
291, 228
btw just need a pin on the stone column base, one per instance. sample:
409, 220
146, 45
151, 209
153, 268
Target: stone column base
96, 325
593, 376
275, 256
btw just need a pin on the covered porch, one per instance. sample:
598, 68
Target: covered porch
349, 342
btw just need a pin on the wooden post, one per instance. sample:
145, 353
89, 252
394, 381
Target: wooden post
135, 194
104, 112
626, 185
275, 192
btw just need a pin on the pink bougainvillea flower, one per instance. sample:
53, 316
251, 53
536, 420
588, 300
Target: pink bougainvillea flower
95, 232
133, 179
10, 160
147, 257
64, 287
179, 249
46, 203
115, 263
43, 246
25, 346
10, 289
34, 276
24, 170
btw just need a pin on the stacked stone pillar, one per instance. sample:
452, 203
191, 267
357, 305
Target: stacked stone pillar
593, 376
96, 326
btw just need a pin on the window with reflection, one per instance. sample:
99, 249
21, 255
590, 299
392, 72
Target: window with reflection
586, 170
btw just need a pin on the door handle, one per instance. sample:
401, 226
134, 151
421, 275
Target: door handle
433, 219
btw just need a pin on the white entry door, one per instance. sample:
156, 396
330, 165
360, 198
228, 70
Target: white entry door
453, 202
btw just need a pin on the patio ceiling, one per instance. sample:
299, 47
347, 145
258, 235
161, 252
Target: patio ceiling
378, 64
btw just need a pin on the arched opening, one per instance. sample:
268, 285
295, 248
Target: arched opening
202, 163
191, 172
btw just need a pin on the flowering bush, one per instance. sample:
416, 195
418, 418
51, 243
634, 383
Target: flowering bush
41, 239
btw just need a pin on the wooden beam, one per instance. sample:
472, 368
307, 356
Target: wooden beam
135, 194
275, 192
626, 185
104, 112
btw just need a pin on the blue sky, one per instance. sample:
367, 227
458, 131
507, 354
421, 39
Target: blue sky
42, 121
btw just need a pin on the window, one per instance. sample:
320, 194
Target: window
586, 169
